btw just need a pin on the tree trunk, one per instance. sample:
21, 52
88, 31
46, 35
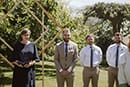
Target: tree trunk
116, 27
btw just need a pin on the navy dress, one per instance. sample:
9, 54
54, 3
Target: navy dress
24, 77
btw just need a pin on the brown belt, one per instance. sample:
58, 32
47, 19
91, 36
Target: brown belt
91, 68
113, 67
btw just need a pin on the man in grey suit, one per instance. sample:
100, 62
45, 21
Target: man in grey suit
66, 55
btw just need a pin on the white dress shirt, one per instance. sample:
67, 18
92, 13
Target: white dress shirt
111, 53
124, 69
85, 56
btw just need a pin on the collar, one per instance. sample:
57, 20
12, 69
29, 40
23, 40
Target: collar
66, 42
26, 43
118, 44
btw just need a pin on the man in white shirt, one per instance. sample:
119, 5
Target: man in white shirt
90, 58
124, 65
112, 56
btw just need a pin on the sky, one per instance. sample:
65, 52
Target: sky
77, 4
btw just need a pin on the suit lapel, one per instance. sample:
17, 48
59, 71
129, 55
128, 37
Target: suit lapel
62, 48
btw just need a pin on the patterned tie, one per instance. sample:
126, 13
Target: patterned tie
117, 55
91, 56
66, 49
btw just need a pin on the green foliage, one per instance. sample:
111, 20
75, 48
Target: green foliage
115, 13
104, 19
20, 18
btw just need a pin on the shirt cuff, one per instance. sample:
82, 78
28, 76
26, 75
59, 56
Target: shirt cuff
60, 70
69, 69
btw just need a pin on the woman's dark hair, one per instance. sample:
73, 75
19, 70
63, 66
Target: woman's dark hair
24, 31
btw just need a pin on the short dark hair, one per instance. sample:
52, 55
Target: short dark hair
118, 34
89, 35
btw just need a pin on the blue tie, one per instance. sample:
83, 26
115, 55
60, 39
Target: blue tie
91, 56
66, 49
117, 55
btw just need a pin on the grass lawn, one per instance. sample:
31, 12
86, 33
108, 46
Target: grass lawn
50, 77
51, 82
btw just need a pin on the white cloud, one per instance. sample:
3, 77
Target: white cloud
82, 3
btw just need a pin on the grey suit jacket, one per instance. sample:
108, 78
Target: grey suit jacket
63, 62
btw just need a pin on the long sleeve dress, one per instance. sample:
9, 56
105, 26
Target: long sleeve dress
24, 77
124, 70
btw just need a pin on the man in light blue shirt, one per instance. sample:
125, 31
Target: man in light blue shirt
90, 58
112, 56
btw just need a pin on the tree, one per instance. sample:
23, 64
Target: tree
20, 18
115, 13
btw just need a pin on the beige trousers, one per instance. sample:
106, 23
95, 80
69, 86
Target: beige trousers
90, 74
112, 76
68, 79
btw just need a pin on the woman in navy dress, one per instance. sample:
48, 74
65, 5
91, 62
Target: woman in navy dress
25, 55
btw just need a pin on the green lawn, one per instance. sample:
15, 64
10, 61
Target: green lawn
49, 76
78, 79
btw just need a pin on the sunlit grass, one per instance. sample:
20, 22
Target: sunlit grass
50, 76
51, 82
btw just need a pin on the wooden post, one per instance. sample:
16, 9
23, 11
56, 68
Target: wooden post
43, 50
6, 44
5, 60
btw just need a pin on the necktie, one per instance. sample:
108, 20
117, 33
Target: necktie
66, 49
117, 55
91, 56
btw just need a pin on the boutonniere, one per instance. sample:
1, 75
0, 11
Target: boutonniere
93, 49
70, 48
121, 49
